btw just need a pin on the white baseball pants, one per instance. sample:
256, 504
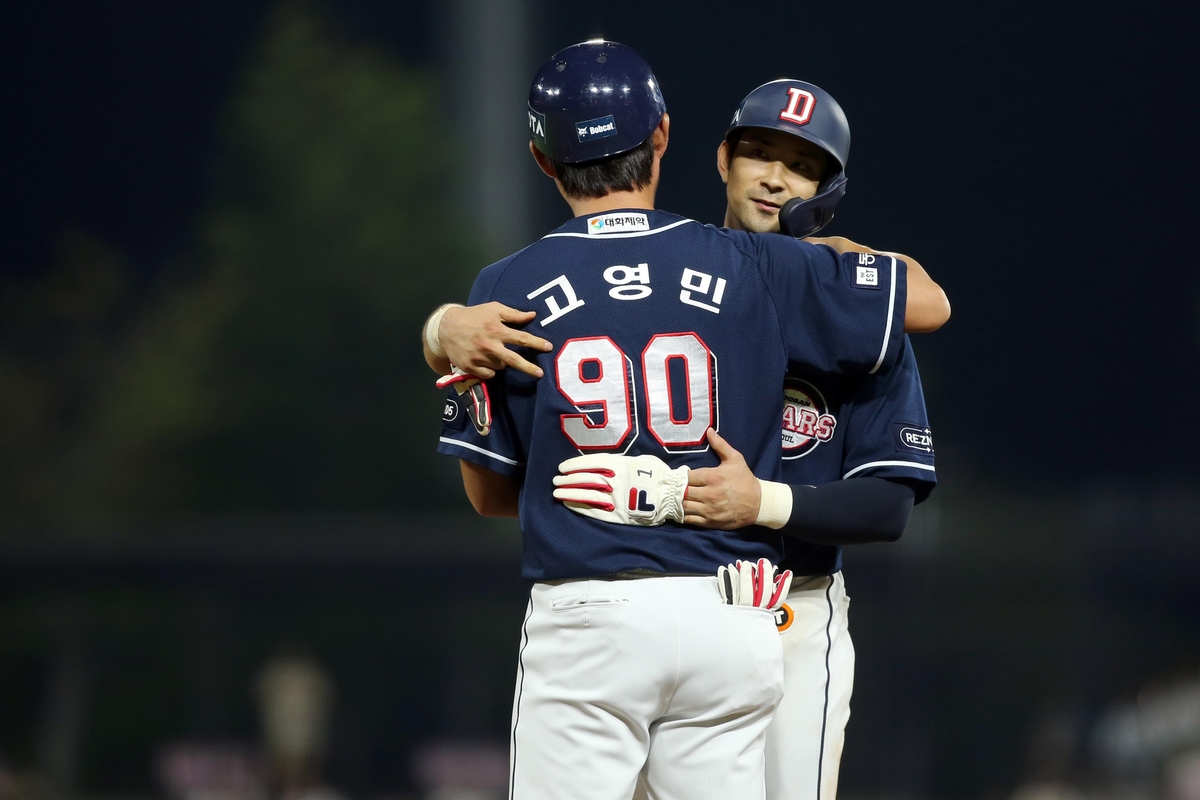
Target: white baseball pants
654, 673
804, 741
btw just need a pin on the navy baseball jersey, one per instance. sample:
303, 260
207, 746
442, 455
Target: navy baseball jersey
663, 327
837, 427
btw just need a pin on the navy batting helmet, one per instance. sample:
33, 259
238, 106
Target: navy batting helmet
593, 100
809, 112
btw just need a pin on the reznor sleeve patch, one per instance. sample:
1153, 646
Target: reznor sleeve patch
909, 437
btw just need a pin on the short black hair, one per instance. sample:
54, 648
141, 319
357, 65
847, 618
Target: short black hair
624, 172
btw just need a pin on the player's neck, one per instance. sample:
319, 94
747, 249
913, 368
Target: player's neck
731, 221
587, 206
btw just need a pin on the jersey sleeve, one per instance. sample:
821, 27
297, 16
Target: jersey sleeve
839, 312
888, 434
499, 451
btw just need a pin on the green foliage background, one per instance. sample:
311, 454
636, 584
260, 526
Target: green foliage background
275, 367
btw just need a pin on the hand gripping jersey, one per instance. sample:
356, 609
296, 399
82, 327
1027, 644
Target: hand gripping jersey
662, 328
840, 427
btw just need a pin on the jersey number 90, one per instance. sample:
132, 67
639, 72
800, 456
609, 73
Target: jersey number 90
597, 378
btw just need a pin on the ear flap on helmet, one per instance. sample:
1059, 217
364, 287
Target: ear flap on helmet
799, 218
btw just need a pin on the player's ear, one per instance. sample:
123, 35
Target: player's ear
723, 160
542, 162
660, 136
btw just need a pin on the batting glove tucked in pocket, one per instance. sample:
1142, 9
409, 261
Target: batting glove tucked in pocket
479, 409
628, 490
749, 583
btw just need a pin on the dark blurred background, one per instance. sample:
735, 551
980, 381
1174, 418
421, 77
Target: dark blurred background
230, 559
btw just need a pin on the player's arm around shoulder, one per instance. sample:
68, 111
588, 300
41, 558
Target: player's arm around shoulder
927, 307
477, 339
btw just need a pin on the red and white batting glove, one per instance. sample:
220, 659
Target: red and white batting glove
479, 404
628, 490
749, 583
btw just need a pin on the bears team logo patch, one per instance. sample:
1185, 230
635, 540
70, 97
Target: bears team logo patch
806, 418
784, 617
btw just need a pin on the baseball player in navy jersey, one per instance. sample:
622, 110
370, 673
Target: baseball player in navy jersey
634, 655
783, 161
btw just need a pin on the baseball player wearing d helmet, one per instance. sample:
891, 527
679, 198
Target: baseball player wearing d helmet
783, 160
803, 112
634, 655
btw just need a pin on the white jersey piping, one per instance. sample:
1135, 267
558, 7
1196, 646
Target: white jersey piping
887, 332
478, 449
913, 464
596, 237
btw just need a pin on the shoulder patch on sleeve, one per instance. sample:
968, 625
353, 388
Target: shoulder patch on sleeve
454, 417
909, 436
866, 271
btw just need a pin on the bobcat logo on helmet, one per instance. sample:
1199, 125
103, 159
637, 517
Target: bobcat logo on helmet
806, 421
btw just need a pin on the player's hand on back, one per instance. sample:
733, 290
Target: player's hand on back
477, 339
725, 497
644, 490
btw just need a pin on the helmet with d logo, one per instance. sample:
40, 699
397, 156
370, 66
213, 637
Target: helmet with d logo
811, 113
